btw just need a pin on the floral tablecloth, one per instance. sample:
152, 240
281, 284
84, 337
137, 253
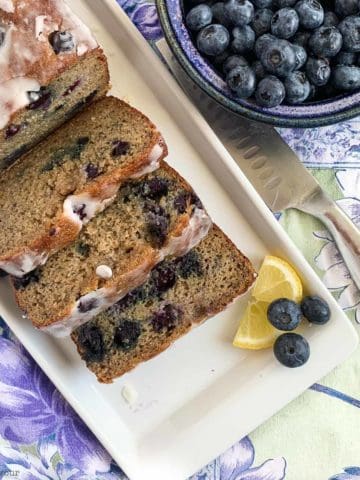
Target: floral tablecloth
316, 437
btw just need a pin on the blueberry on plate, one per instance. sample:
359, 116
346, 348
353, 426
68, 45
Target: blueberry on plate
311, 13
350, 30
315, 310
291, 350
234, 61
330, 20
344, 8
213, 39
284, 314
346, 78
270, 92
285, 23
243, 39
326, 41
219, 14
199, 17
297, 88
300, 56
318, 71
262, 21
242, 81
278, 58
239, 12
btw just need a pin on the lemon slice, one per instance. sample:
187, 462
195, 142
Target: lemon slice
255, 332
277, 279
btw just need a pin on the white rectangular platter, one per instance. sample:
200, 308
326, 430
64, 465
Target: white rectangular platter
201, 395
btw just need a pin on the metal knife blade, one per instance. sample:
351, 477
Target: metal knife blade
270, 165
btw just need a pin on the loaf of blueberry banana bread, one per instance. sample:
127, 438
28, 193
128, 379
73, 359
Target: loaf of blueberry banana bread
179, 294
52, 191
152, 217
51, 67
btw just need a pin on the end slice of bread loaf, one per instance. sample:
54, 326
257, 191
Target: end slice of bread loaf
179, 294
151, 218
50, 193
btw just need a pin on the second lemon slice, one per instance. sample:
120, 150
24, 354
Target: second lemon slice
277, 279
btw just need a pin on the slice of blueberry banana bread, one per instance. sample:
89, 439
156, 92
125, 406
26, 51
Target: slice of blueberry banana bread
51, 192
51, 67
179, 294
151, 218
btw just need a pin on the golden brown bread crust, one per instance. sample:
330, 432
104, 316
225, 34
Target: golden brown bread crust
237, 275
102, 188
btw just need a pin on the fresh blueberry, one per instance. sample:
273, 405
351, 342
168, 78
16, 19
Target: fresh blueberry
234, 61
262, 21
243, 39
189, 265
311, 13
154, 188
297, 88
61, 42
278, 58
239, 12
270, 92
199, 17
330, 20
218, 60
40, 99
300, 56
263, 3
301, 38
285, 23
120, 148
259, 70
284, 314
345, 58
326, 41
91, 340
263, 42
344, 8
318, 71
213, 39
126, 335
315, 310
350, 29
166, 319
242, 81
346, 78
291, 350
285, 3
218, 13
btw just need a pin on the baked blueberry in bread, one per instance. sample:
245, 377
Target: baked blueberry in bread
151, 218
179, 294
55, 189
51, 67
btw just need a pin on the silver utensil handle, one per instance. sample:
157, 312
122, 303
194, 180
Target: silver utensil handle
344, 231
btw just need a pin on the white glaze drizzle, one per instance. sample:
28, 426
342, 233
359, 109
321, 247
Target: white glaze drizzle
129, 394
13, 96
154, 162
86, 206
7, 6
104, 271
24, 263
104, 297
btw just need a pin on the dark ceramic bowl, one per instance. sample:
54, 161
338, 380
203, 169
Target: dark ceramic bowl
203, 74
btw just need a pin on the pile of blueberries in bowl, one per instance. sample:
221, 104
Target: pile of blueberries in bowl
289, 63
280, 51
